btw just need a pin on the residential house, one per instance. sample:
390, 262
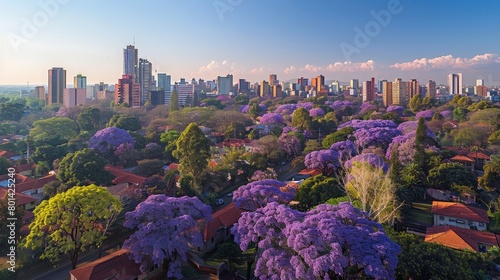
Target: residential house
461, 238
479, 158
116, 266
218, 229
25, 169
464, 160
34, 187
23, 201
459, 215
124, 178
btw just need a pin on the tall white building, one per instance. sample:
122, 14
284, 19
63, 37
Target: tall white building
185, 93
335, 87
455, 83
480, 82
80, 81
145, 71
224, 84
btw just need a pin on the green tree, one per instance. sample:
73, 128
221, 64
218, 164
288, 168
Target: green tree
169, 138
4, 165
149, 167
420, 138
6, 212
254, 110
129, 123
301, 119
415, 103
193, 152
89, 119
12, 110
241, 99
317, 190
174, 101
446, 174
72, 221
491, 177
339, 135
460, 114
236, 130
55, 126
42, 168
82, 168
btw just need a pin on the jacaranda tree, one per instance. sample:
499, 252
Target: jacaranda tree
107, 140
166, 227
325, 160
258, 194
328, 242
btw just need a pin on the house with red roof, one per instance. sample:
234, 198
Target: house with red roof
459, 215
461, 238
123, 177
25, 169
218, 229
479, 158
34, 187
116, 266
464, 160
23, 201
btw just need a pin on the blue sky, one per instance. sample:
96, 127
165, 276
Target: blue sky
252, 39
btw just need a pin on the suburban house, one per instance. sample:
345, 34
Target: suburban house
124, 178
461, 238
459, 215
34, 187
479, 158
25, 169
23, 201
116, 266
218, 229
464, 160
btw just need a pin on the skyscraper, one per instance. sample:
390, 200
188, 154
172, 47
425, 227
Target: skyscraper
265, 89
127, 91
431, 89
455, 83
273, 80
412, 89
80, 81
354, 83
130, 62
145, 71
368, 93
335, 87
57, 84
224, 84
480, 82
387, 93
399, 93
74, 96
320, 82
243, 86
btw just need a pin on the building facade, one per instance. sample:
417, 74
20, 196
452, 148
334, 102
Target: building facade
57, 84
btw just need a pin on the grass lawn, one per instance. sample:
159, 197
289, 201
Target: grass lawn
420, 213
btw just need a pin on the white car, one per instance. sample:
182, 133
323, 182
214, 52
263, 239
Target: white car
219, 201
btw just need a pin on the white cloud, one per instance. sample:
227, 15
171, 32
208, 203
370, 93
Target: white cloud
289, 70
349, 66
448, 62
219, 68
257, 70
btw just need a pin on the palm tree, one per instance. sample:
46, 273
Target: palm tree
491, 177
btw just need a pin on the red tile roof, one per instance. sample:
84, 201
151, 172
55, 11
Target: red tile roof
312, 172
7, 154
21, 199
33, 184
24, 167
459, 210
223, 218
116, 265
173, 166
462, 158
478, 155
459, 238
123, 176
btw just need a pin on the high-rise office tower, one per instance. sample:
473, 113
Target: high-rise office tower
399, 93
412, 89
354, 83
314, 83
273, 80
40, 92
128, 91
164, 81
335, 87
380, 87
368, 93
130, 62
243, 86
277, 90
320, 82
145, 71
265, 89
80, 81
303, 82
73, 97
455, 83
431, 89
480, 82
387, 93
57, 84
224, 84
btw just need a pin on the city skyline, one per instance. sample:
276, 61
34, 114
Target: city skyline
251, 40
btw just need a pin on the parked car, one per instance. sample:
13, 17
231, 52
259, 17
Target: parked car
229, 194
219, 201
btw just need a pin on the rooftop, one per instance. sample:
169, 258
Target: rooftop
459, 210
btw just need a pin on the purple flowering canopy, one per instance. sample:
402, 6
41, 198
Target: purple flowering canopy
166, 227
447, 114
258, 194
411, 127
406, 148
367, 124
323, 243
338, 105
346, 149
272, 118
123, 148
287, 129
372, 159
395, 109
375, 137
259, 175
306, 105
263, 107
290, 144
366, 107
427, 114
109, 139
243, 109
325, 160
316, 112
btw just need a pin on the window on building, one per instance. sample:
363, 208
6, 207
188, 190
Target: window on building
441, 218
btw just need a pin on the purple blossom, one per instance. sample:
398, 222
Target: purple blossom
447, 114
62, 112
272, 118
367, 124
308, 134
286, 109
372, 159
258, 194
109, 139
346, 149
338, 105
290, 144
263, 107
366, 107
306, 105
288, 129
124, 148
203, 104
427, 114
411, 126
165, 229
325, 160
223, 98
244, 109
406, 148
260, 175
395, 109
316, 112
312, 245
375, 137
